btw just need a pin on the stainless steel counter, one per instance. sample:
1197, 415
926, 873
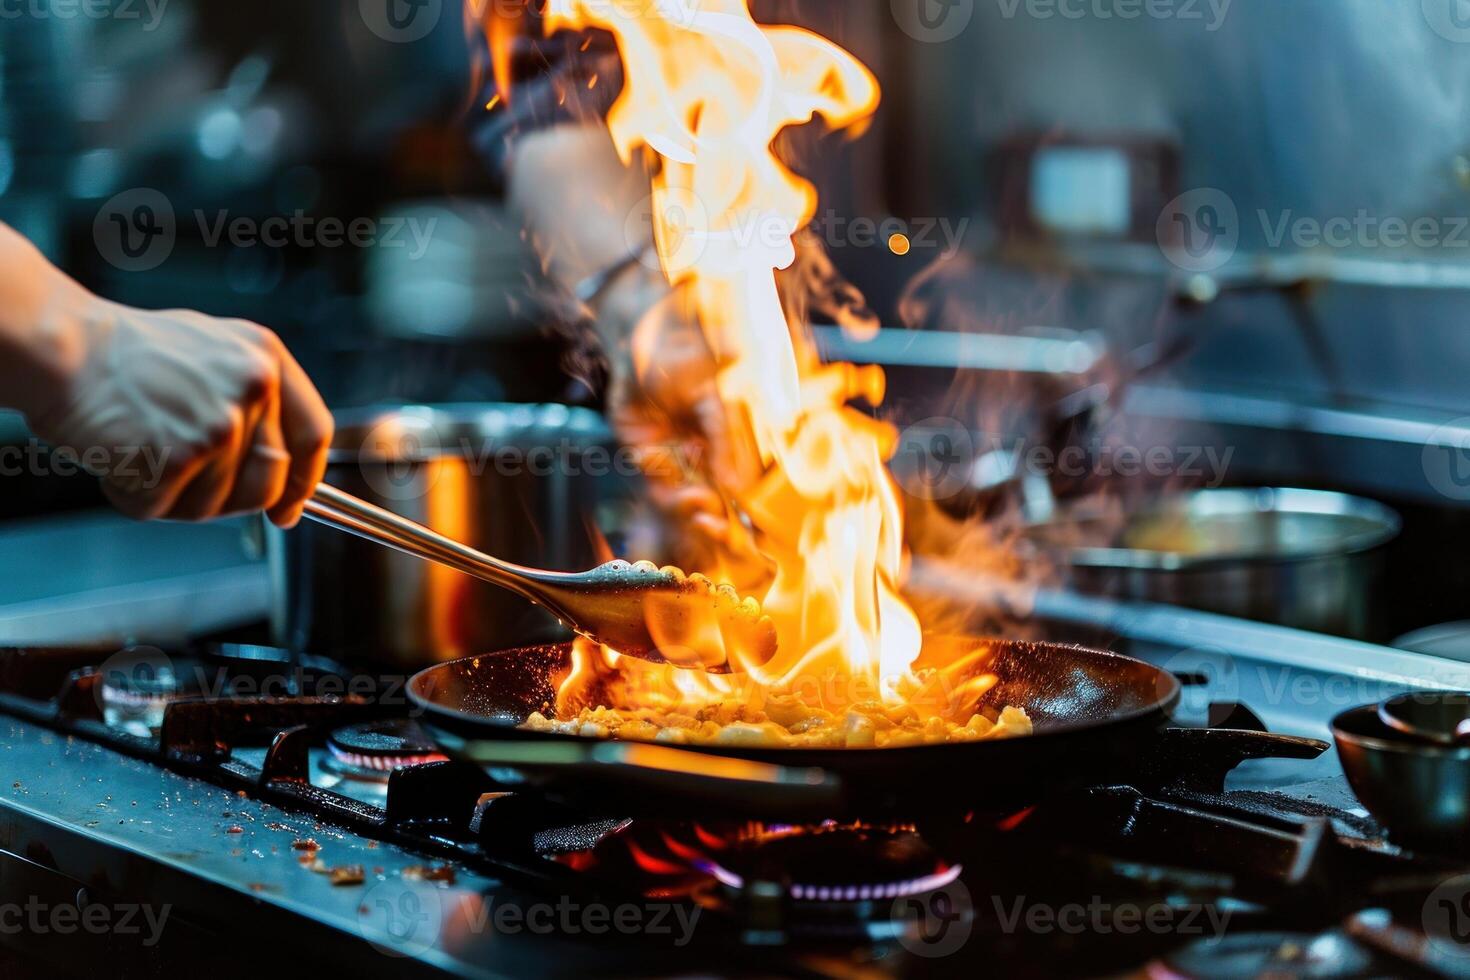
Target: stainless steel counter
98, 578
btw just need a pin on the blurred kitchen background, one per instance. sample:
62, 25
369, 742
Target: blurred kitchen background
1039, 160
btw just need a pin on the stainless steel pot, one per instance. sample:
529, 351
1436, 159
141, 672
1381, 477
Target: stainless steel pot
1302, 558
521, 482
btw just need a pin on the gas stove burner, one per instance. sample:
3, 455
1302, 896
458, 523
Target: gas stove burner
140, 676
374, 750
135, 685
835, 863
1267, 954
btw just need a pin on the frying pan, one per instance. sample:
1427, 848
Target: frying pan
1094, 715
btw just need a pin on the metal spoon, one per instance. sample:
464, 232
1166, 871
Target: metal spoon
700, 625
1441, 717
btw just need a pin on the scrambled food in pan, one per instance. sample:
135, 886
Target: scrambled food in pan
609, 696
786, 722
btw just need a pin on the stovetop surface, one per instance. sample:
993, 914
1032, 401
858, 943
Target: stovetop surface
128, 828
1278, 872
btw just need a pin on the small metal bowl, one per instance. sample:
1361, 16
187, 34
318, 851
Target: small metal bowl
1439, 717
1419, 792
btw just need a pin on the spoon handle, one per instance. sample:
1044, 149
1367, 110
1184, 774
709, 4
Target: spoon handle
342, 510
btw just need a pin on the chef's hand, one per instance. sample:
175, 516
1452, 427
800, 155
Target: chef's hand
582, 207
664, 401
236, 423
230, 420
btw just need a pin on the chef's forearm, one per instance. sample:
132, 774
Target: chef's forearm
41, 315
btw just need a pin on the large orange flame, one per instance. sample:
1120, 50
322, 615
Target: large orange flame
708, 90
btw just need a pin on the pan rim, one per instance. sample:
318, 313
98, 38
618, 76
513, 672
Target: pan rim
462, 719
1389, 740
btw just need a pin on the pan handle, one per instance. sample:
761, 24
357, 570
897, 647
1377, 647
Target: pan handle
663, 771
1199, 759
1241, 744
